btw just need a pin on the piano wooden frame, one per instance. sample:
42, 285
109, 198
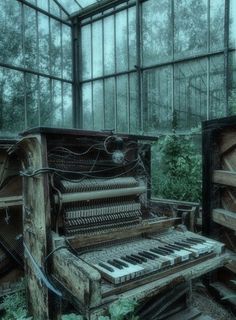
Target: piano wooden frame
80, 281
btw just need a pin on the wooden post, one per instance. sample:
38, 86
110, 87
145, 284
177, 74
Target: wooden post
36, 222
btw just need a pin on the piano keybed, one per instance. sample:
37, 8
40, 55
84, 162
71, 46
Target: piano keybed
136, 258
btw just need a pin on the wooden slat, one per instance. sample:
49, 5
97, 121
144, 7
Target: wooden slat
227, 178
10, 201
228, 140
224, 218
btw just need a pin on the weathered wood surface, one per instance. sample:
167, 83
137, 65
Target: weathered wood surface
228, 199
227, 178
6, 202
81, 280
224, 218
36, 217
81, 241
227, 140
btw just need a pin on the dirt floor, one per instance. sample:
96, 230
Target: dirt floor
208, 306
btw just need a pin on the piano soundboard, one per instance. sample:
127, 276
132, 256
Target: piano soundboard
87, 207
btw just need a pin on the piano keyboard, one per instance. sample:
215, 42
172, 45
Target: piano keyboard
128, 261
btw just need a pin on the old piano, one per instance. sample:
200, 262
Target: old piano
90, 232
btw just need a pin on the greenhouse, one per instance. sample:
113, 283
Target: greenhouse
117, 159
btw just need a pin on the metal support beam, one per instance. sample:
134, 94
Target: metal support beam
76, 67
226, 56
138, 62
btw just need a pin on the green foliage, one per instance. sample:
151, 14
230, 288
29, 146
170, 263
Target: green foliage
177, 169
15, 307
71, 316
123, 309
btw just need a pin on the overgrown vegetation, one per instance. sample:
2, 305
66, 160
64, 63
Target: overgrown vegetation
176, 169
15, 306
122, 309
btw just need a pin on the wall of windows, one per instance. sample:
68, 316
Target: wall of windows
35, 66
155, 65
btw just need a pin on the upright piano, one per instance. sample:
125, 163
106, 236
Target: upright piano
90, 232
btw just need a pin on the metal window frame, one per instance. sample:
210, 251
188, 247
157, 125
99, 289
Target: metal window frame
92, 13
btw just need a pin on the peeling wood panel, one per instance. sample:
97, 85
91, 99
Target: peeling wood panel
227, 178
83, 281
36, 217
224, 218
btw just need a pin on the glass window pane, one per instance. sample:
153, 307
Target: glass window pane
157, 103
86, 52
87, 106
67, 52
56, 107
98, 106
109, 46
232, 27
217, 87
43, 4
45, 101
121, 44
30, 40
54, 9
110, 93
122, 97
232, 83
134, 112
132, 37
67, 105
31, 94
12, 111
97, 49
156, 31
43, 25
69, 5
190, 94
11, 32
217, 8
56, 48
85, 3
190, 27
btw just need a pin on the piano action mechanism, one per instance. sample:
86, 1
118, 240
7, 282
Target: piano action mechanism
89, 226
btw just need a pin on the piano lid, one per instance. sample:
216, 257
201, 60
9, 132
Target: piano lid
83, 133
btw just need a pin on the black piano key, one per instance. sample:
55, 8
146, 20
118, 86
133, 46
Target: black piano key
117, 265
175, 247
146, 255
196, 240
130, 260
132, 256
184, 244
167, 249
121, 262
160, 252
106, 266
142, 259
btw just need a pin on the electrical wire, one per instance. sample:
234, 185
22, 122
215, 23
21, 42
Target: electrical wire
66, 150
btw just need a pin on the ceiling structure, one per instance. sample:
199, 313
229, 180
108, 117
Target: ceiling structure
74, 6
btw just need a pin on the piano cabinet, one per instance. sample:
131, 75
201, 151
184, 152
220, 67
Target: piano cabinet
101, 248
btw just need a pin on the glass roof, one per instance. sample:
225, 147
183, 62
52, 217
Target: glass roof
72, 6
63, 8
